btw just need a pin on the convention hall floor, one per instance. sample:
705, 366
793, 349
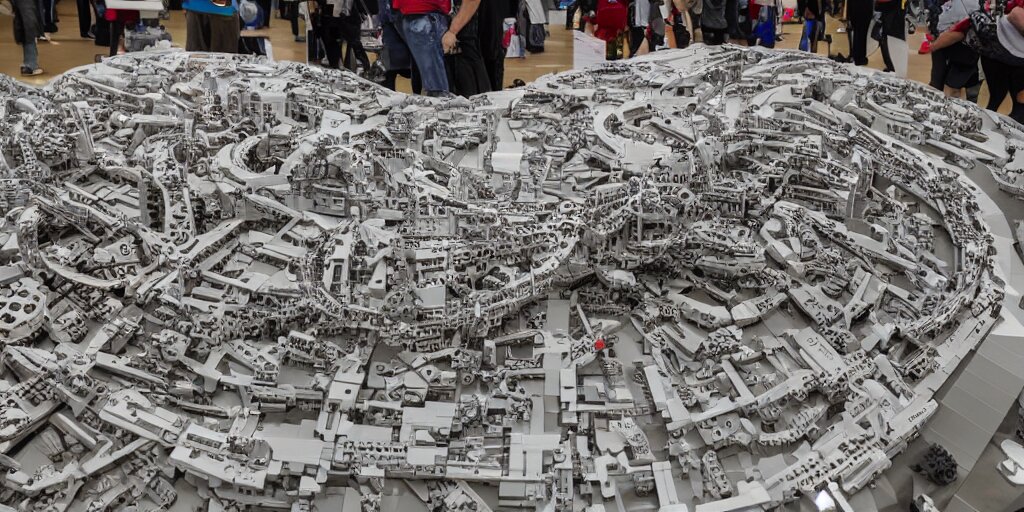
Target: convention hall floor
67, 50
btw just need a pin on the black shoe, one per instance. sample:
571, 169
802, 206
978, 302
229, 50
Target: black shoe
27, 71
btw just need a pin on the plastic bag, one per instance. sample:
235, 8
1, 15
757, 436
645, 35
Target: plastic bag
516, 48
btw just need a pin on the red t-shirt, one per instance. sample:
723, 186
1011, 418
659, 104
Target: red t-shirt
408, 7
965, 24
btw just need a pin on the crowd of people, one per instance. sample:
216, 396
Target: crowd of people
444, 46
211, 25
962, 34
459, 46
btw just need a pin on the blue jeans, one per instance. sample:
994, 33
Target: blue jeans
422, 34
30, 55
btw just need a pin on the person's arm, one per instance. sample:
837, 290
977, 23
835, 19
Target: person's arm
466, 12
1016, 18
947, 39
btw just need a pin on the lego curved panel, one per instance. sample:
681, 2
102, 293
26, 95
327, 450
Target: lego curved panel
715, 277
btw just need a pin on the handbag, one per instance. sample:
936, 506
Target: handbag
983, 38
876, 27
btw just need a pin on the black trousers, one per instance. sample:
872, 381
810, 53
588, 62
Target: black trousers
333, 31
102, 32
937, 79
116, 32
1004, 79
84, 17
732, 17
467, 72
636, 38
894, 24
290, 12
679, 32
859, 14
49, 13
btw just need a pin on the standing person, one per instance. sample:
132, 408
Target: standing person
814, 24
290, 12
610, 22
422, 23
491, 21
713, 25
894, 36
997, 39
639, 19
85, 19
119, 20
678, 17
211, 26
859, 14
340, 21
467, 74
397, 59
762, 30
28, 26
954, 67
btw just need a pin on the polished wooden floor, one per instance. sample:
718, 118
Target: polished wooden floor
68, 50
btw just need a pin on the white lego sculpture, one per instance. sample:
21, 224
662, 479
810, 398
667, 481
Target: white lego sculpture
713, 279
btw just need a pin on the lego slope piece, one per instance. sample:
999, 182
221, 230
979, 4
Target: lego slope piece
709, 279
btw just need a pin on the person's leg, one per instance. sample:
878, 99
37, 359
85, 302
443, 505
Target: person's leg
1016, 85
998, 82
939, 66
679, 32
495, 72
265, 6
30, 56
291, 10
972, 93
894, 38
329, 37
570, 14
195, 36
395, 54
224, 32
636, 37
883, 45
116, 32
472, 73
859, 13
49, 16
422, 33
84, 18
351, 32
732, 17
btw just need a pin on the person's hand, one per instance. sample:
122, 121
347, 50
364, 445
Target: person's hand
448, 41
